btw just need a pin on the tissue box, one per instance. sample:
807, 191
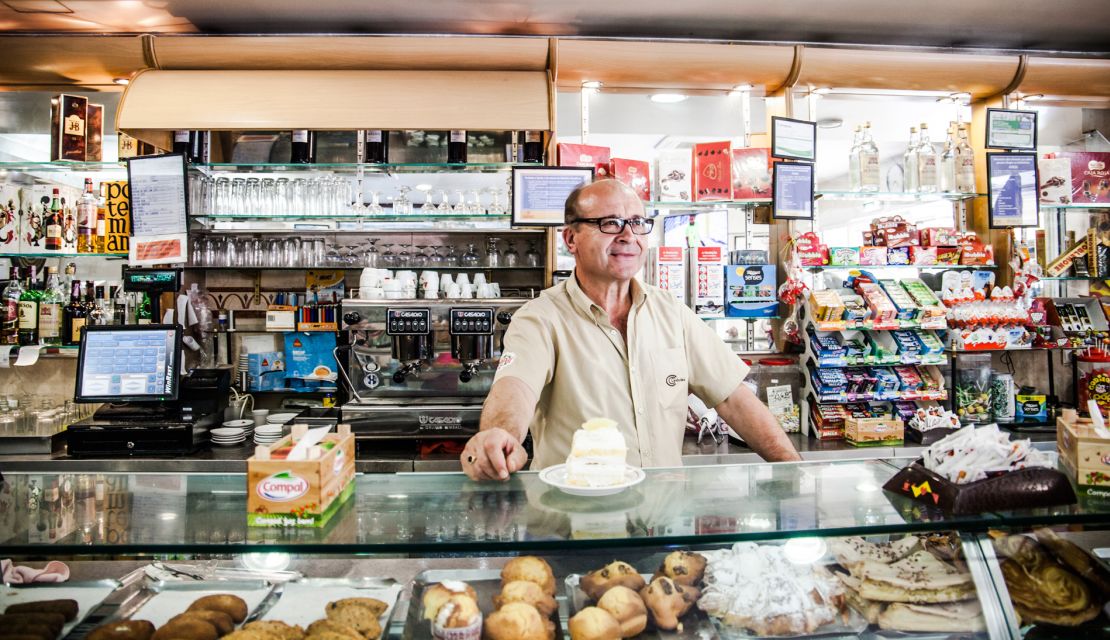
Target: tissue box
750, 291
300, 493
266, 371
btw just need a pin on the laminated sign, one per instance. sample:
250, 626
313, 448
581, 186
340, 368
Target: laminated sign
117, 219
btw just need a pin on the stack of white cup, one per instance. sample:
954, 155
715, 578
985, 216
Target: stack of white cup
378, 284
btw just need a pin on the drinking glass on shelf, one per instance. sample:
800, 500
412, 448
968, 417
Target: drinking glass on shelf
291, 249
282, 196
332, 257
532, 257
197, 251
389, 259
274, 254
375, 208
470, 257
495, 208
444, 205
253, 196
474, 205
493, 256
402, 206
419, 258
404, 260
437, 259
460, 206
230, 253
428, 207
299, 200
373, 258
314, 198
254, 252
266, 202
512, 258
452, 257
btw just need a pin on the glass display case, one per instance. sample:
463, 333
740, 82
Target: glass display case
806, 549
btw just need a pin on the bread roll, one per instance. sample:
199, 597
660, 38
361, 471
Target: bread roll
593, 623
627, 607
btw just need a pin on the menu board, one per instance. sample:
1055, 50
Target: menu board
1012, 181
1008, 129
159, 224
540, 193
793, 139
792, 184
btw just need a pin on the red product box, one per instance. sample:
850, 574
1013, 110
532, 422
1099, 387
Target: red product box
977, 255
904, 235
713, 171
811, 252
872, 256
948, 255
581, 155
967, 238
634, 173
939, 237
751, 173
1090, 177
923, 255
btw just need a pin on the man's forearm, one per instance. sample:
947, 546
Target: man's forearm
509, 406
743, 411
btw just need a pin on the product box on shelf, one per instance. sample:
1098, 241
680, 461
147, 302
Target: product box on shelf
68, 116
872, 256
634, 173
581, 155
827, 420
673, 173
977, 254
873, 432
826, 305
924, 256
94, 133
898, 255
129, 147
939, 236
751, 291
1090, 177
57, 517
1077, 315
10, 214
300, 493
906, 308
310, 356
266, 371
1026, 488
35, 202
713, 171
1063, 263
811, 251
1055, 177
751, 173
666, 269
843, 256
1083, 453
68, 197
948, 255
707, 280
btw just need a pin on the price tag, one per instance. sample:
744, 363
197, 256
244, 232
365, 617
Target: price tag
28, 355
5, 356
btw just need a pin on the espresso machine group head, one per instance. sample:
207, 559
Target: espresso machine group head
411, 333
471, 332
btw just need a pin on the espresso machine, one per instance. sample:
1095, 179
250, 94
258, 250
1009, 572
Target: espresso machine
420, 369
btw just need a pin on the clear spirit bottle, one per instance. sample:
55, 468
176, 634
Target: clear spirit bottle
948, 162
926, 163
853, 161
868, 161
909, 163
965, 163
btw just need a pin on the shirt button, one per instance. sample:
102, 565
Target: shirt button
612, 332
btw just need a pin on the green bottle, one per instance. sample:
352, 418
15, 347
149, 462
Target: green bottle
143, 314
29, 310
50, 310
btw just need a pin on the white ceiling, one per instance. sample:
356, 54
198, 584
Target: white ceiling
1075, 26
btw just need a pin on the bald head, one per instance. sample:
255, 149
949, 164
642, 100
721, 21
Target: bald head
581, 202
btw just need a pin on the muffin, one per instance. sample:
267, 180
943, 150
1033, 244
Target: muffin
596, 583
667, 602
123, 630
518, 621
232, 605
437, 594
627, 607
686, 568
458, 619
593, 623
532, 569
528, 593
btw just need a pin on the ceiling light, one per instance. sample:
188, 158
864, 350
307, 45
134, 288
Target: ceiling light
424, 187
122, 81
830, 123
962, 95
821, 91
667, 98
591, 84
742, 87
1033, 98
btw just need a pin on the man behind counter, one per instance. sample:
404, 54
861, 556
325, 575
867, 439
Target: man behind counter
602, 344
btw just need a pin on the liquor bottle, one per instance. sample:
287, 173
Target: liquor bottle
303, 147
9, 327
965, 163
74, 316
198, 146
50, 310
143, 314
926, 163
101, 311
101, 223
29, 310
376, 149
456, 146
909, 163
123, 310
54, 224
853, 161
948, 162
533, 146
86, 219
181, 141
868, 161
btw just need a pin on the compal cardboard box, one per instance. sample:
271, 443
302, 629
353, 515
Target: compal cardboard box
300, 493
707, 280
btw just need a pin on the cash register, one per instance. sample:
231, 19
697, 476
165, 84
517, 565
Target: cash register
149, 408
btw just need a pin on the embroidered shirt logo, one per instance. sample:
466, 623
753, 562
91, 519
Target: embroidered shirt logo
673, 380
506, 360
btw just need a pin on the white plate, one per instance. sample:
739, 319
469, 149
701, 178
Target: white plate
280, 418
269, 428
227, 432
556, 476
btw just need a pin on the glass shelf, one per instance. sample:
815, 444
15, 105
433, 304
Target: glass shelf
381, 217
446, 512
1078, 205
360, 268
895, 196
661, 204
1072, 279
917, 267
62, 167
352, 167
719, 318
63, 255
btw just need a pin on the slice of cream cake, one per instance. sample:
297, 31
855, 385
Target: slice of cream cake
597, 455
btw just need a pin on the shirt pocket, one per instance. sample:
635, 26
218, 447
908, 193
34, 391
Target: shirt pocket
670, 382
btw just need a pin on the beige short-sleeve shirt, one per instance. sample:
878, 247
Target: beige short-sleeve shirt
564, 348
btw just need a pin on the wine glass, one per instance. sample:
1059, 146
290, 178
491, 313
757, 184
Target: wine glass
428, 207
460, 207
470, 257
389, 259
437, 259
332, 257
444, 205
474, 206
493, 256
452, 257
532, 257
512, 258
375, 208
404, 260
419, 258
402, 206
373, 258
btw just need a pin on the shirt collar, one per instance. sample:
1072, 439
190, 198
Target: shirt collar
588, 306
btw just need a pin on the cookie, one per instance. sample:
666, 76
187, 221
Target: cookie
360, 618
332, 627
375, 605
250, 635
67, 608
232, 605
186, 629
223, 622
276, 627
123, 630
330, 635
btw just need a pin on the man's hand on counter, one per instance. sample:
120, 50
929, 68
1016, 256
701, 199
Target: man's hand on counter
493, 454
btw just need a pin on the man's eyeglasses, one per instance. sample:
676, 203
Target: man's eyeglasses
614, 226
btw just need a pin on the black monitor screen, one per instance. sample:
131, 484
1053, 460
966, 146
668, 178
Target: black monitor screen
128, 363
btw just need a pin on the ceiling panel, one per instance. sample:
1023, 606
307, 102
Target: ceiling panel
88, 61
981, 75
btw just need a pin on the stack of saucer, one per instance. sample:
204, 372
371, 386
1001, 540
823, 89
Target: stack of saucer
268, 433
234, 432
280, 418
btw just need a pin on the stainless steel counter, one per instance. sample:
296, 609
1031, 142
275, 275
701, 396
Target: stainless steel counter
233, 459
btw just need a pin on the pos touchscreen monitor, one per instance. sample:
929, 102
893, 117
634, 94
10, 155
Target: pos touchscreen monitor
132, 363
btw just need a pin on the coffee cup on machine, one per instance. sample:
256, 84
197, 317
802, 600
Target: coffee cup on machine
479, 279
485, 291
454, 291
466, 291
462, 279
429, 280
